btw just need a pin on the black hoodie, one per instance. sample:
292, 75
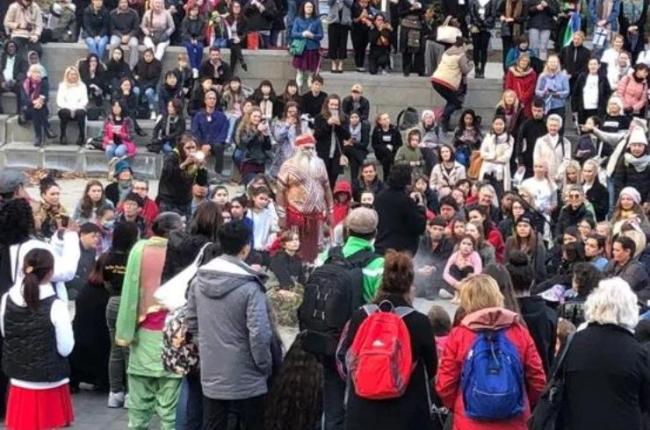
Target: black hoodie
531, 130
542, 326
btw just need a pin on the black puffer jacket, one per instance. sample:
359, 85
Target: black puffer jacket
182, 250
626, 175
401, 221
570, 217
544, 19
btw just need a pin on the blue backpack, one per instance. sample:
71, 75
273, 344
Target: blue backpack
492, 379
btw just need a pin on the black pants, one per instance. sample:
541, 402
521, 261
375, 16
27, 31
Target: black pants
359, 34
25, 46
79, 116
507, 42
378, 59
333, 396
453, 102
337, 36
235, 55
481, 41
218, 150
413, 63
246, 414
430, 156
333, 167
39, 118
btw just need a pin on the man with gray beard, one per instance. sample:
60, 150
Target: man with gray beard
304, 198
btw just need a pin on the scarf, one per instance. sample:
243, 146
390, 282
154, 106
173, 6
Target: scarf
632, 10
355, 132
520, 73
190, 169
639, 164
32, 88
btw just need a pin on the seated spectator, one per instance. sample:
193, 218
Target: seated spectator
34, 97
467, 136
521, 79
61, 23
122, 184
492, 234
585, 279
93, 199
356, 102
24, 25
183, 168
312, 101
192, 36
210, 128
168, 129
147, 74
170, 89
368, 180
93, 75
184, 75
462, 263
124, 25
157, 27
14, 70
410, 153
286, 265
96, 20
117, 138
447, 172
356, 149
72, 100
627, 267
265, 97
117, 70
386, 140
574, 211
216, 69
150, 208
126, 95
131, 212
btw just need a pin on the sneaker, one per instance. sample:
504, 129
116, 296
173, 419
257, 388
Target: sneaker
154, 115
116, 400
445, 295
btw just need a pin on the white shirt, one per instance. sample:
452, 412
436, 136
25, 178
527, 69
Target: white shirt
60, 318
8, 71
265, 225
590, 92
72, 97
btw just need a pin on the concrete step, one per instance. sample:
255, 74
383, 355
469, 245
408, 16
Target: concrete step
8, 102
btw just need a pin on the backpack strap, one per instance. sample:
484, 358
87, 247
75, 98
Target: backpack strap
403, 311
370, 309
361, 258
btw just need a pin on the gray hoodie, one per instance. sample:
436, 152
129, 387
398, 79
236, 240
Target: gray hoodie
227, 309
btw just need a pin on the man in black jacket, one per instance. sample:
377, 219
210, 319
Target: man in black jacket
217, 69
531, 130
402, 217
575, 57
432, 256
356, 102
312, 101
13, 69
124, 25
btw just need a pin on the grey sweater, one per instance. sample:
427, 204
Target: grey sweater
228, 311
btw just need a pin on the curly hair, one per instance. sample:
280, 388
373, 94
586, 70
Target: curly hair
16, 222
87, 205
294, 401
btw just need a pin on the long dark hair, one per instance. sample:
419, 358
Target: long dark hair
37, 266
125, 236
16, 222
207, 220
88, 205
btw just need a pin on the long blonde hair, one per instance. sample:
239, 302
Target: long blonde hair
547, 71
66, 77
502, 102
479, 292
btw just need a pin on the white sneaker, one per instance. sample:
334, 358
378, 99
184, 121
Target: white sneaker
116, 400
445, 295
154, 115
126, 401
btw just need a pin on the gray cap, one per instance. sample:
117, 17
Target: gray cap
10, 180
362, 220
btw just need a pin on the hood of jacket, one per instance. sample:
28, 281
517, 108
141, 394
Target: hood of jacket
343, 187
490, 319
224, 274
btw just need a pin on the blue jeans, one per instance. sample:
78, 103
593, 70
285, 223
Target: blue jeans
97, 47
232, 121
150, 94
195, 54
167, 147
189, 410
118, 151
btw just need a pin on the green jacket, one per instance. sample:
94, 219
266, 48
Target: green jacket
372, 273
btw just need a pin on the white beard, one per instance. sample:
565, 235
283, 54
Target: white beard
308, 163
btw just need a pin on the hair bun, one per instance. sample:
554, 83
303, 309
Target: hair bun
518, 258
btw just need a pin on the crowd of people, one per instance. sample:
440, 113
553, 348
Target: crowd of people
534, 224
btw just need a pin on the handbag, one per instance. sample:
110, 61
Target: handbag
447, 33
547, 412
253, 40
475, 164
171, 294
297, 47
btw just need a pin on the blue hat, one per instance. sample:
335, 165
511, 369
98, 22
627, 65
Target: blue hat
120, 167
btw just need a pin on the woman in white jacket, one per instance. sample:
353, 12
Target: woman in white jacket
447, 172
72, 99
554, 149
496, 150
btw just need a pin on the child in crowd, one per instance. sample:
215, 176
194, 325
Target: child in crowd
411, 154
265, 223
462, 263
37, 339
342, 200
441, 325
238, 211
219, 195
421, 185
367, 199
286, 264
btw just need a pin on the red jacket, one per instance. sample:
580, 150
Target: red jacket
341, 209
124, 133
458, 345
496, 240
524, 86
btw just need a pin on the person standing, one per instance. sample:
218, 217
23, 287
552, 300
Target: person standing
37, 338
331, 131
24, 25
411, 38
227, 312
210, 128
512, 14
308, 29
139, 325
575, 58
304, 197
340, 18
482, 16
362, 22
541, 14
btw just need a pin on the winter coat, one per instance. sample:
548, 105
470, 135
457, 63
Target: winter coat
554, 89
340, 11
161, 133
124, 23
95, 23
530, 131
175, 186
537, 256
358, 187
542, 19
116, 71
347, 106
626, 175
182, 250
442, 178
288, 269
401, 221
493, 236
323, 135
598, 196
605, 366
227, 312
460, 341
541, 321
577, 101
125, 134
556, 156
193, 29
147, 75
496, 152
255, 146
633, 93
260, 21
453, 67
523, 84
612, 17
340, 210
409, 411
634, 273
575, 59
220, 74
72, 97
482, 19
570, 217
359, 149
411, 157
381, 139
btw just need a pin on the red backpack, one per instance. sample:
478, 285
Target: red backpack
380, 360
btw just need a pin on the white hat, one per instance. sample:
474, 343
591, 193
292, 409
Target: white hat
632, 193
637, 135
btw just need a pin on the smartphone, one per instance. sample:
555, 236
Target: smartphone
335, 114
65, 220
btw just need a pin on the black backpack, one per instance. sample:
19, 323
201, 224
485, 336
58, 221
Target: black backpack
333, 291
407, 118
